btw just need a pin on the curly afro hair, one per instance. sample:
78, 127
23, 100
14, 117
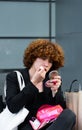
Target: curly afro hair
44, 49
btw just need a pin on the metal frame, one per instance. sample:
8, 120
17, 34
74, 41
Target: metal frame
29, 0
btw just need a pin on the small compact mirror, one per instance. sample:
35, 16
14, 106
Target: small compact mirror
53, 73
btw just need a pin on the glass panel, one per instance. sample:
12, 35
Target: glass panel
11, 53
24, 19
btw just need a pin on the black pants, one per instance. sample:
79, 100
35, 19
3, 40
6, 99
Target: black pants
65, 121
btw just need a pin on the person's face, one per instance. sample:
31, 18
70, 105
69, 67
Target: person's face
42, 63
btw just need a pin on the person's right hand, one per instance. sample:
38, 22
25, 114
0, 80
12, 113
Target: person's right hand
38, 76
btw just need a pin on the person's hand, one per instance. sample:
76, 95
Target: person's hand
54, 84
38, 77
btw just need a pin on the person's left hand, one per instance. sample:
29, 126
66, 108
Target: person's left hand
54, 84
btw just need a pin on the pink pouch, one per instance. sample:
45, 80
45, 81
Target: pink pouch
46, 114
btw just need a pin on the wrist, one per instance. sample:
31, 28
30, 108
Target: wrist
34, 82
54, 93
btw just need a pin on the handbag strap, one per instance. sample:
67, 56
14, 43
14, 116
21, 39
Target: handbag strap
71, 86
20, 81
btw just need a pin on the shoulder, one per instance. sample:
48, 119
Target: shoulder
13, 76
13, 73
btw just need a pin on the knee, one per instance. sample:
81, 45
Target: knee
70, 116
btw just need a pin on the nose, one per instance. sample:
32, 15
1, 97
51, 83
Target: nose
46, 63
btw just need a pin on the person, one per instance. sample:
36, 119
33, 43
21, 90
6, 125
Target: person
40, 57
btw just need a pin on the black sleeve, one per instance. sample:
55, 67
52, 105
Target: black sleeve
15, 98
59, 99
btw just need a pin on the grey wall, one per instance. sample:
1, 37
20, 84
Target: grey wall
69, 35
